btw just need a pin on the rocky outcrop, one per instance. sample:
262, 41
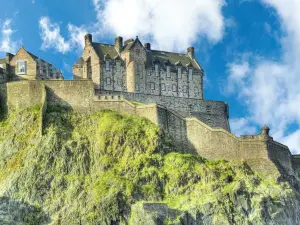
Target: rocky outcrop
109, 168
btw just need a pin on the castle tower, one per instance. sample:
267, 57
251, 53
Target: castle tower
134, 54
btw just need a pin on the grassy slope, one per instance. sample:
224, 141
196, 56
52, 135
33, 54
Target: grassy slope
91, 169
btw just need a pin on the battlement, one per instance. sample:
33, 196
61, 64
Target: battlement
260, 151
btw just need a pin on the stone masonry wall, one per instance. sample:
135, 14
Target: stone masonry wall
214, 113
259, 151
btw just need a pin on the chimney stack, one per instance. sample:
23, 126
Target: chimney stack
147, 46
191, 52
9, 56
88, 39
119, 44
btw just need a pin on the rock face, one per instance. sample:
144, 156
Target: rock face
114, 169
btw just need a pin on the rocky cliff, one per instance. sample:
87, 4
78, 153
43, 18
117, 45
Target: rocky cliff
115, 169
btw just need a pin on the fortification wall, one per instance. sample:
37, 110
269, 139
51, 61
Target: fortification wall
23, 94
260, 151
281, 154
213, 113
3, 100
76, 94
296, 162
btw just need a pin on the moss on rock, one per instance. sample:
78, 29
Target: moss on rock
109, 168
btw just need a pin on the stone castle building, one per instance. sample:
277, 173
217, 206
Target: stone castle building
131, 78
153, 76
26, 66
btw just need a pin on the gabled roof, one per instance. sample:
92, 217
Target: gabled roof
173, 58
131, 42
80, 61
104, 49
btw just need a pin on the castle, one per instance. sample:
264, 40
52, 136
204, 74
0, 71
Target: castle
150, 76
166, 88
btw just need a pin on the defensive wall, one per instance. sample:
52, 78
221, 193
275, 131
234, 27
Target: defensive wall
260, 151
213, 113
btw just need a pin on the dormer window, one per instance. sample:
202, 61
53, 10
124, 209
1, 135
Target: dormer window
156, 70
168, 71
190, 74
107, 66
179, 72
21, 67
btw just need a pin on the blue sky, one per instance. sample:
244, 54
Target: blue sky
249, 49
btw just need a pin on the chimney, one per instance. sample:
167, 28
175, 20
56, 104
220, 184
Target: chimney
191, 52
88, 39
147, 46
119, 44
9, 56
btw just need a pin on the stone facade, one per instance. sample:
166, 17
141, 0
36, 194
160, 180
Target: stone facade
149, 76
135, 68
26, 66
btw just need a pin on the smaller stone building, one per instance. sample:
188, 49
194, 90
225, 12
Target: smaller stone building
26, 66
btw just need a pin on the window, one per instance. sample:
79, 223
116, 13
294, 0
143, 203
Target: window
108, 81
152, 86
190, 74
168, 72
21, 67
163, 87
156, 70
140, 68
174, 88
184, 89
179, 73
118, 64
107, 65
196, 91
137, 87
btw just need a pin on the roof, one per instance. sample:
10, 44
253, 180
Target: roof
173, 58
104, 49
79, 61
162, 57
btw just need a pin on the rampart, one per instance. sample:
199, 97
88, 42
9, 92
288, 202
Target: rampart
260, 151
213, 113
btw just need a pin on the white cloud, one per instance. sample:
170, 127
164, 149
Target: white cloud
169, 24
50, 34
52, 38
6, 42
271, 89
242, 126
